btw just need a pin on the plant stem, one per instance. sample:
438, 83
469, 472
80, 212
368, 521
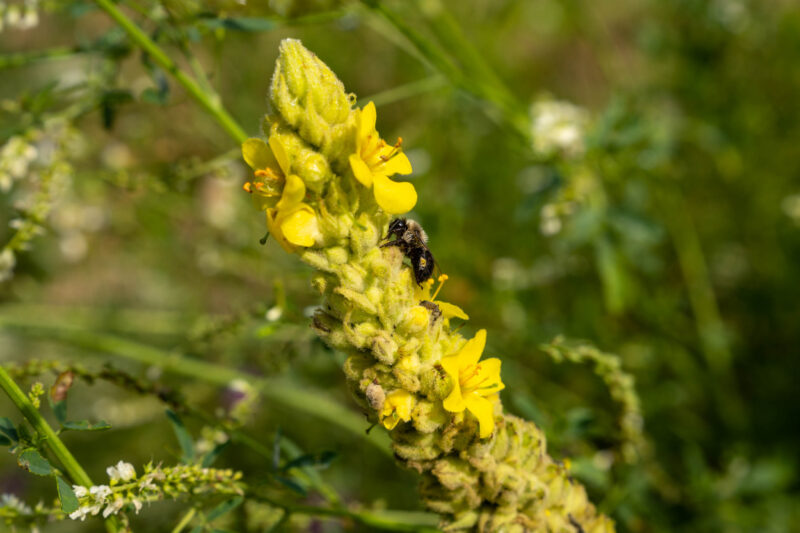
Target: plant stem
280, 391
185, 520
50, 438
383, 520
209, 102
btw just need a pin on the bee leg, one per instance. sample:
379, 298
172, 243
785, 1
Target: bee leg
396, 242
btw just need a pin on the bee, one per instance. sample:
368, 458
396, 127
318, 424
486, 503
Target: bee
413, 242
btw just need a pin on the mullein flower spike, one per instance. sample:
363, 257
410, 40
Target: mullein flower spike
323, 179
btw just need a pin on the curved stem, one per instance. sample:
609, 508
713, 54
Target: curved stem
50, 438
382, 520
209, 102
278, 390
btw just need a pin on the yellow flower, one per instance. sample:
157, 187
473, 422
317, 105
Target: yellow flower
397, 406
375, 160
291, 221
473, 382
448, 310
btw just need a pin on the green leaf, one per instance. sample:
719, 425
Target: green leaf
154, 96
69, 502
5, 441
251, 24
211, 456
224, 507
197, 529
184, 438
292, 484
8, 429
60, 411
33, 461
322, 460
85, 425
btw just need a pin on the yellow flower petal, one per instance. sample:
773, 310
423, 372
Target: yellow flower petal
397, 406
367, 118
293, 193
394, 197
280, 154
454, 402
490, 372
300, 227
472, 350
483, 411
397, 164
449, 310
275, 230
360, 170
257, 154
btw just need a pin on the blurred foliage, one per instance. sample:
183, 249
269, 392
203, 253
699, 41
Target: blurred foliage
668, 234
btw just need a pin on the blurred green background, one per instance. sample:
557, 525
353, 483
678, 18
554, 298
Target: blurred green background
670, 236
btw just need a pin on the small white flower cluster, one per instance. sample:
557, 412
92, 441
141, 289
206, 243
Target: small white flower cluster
122, 471
104, 497
40, 156
19, 17
558, 129
9, 501
157, 483
16, 156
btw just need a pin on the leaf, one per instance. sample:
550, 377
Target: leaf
69, 502
184, 438
276, 450
33, 461
60, 411
251, 24
322, 460
85, 425
8, 429
211, 456
292, 484
153, 96
224, 507
5, 441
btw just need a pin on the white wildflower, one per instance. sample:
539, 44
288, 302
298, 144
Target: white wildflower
558, 128
80, 491
122, 471
113, 508
100, 492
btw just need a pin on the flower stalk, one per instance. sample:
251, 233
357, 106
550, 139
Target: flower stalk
409, 370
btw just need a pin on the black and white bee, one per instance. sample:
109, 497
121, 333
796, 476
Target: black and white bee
413, 242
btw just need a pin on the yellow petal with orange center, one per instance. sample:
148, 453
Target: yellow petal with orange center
483, 411
300, 227
394, 197
360, 170
397, 164
489, 377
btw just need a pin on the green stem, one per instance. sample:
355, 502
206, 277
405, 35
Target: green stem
386, 520
185, 520
207, 101
50, 438
278, 390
